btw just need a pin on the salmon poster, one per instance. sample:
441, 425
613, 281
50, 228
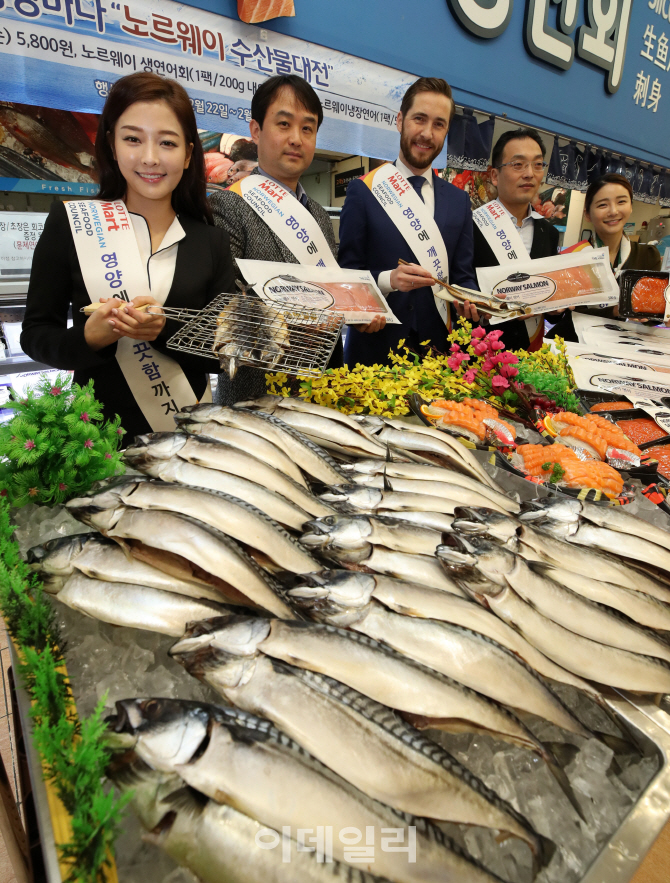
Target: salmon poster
66, 56
254, 11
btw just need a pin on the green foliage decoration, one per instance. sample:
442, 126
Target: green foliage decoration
74, 754
57, 444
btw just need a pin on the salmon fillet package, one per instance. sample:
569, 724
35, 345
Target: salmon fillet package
353, 293
644, 295
580, 278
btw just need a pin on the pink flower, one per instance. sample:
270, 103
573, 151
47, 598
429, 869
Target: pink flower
487, 365
494, 335
454, 363
478, 332
496, 345
499, 382
62, 487
469, 376
509, 359
480, 348
88, 443
495, 359
455, 348
119, 431
29, 445
108, 456
508, 371
56, 390
84, 416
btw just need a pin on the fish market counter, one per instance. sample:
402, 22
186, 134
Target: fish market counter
333, 636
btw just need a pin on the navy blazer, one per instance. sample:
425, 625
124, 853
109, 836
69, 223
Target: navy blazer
370, 241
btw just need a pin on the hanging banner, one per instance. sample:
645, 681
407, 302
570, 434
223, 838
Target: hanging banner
67, 55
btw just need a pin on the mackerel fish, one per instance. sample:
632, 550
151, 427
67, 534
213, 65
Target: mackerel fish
352, 590
236, 758
371, 499
223, 457
424, 472
360, 531
612, 517
358, 738
460, 653
206, 546
259, 447
637, 606
449, 495
216, 842
134, 606
587, 658
273, 504
425, 697
101, 558
232, 516
304, 453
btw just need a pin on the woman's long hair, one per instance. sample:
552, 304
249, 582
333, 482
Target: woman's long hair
189, 196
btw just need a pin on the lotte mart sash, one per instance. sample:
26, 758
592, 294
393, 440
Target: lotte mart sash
111, 266
501, 233
416, 225
288, 219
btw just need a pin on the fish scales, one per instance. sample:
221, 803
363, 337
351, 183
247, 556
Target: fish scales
637, 606
273, 504
540, 546
309, 457
103, 559
365, 743
208, 547
423, 569
235, 517
247, 441
587, 658
267, 775
327, 430
276, 404
444, 491
135, 606
586, 618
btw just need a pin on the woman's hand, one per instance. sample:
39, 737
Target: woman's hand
130, 322
100, 329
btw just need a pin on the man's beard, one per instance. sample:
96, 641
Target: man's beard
419, 162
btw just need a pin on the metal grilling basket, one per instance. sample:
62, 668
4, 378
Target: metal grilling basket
305, 349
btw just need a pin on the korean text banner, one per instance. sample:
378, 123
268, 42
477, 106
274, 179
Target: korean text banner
67, 53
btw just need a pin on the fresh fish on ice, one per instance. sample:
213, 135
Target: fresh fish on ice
138, 607
236, 758
360, 531
217, 455
358, 738
304, 453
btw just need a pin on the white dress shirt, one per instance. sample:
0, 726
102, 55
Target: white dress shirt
428, 194
161, 264
527, 228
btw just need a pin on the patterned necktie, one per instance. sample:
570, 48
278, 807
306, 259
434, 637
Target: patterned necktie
417, 182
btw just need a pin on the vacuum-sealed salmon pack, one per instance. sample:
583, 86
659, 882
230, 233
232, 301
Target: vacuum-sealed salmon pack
644, 294
565, 280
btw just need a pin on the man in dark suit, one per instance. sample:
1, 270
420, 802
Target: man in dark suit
370, 240
285, 116
517, 171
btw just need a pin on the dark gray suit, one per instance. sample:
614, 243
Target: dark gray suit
251, 238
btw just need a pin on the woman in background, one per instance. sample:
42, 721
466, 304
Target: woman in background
608, 205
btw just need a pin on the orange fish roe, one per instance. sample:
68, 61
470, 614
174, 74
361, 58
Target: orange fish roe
662, 454
611, 406
613, 434
641, 429
648, 295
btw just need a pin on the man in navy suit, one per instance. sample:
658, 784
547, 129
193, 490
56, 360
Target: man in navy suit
370, 240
